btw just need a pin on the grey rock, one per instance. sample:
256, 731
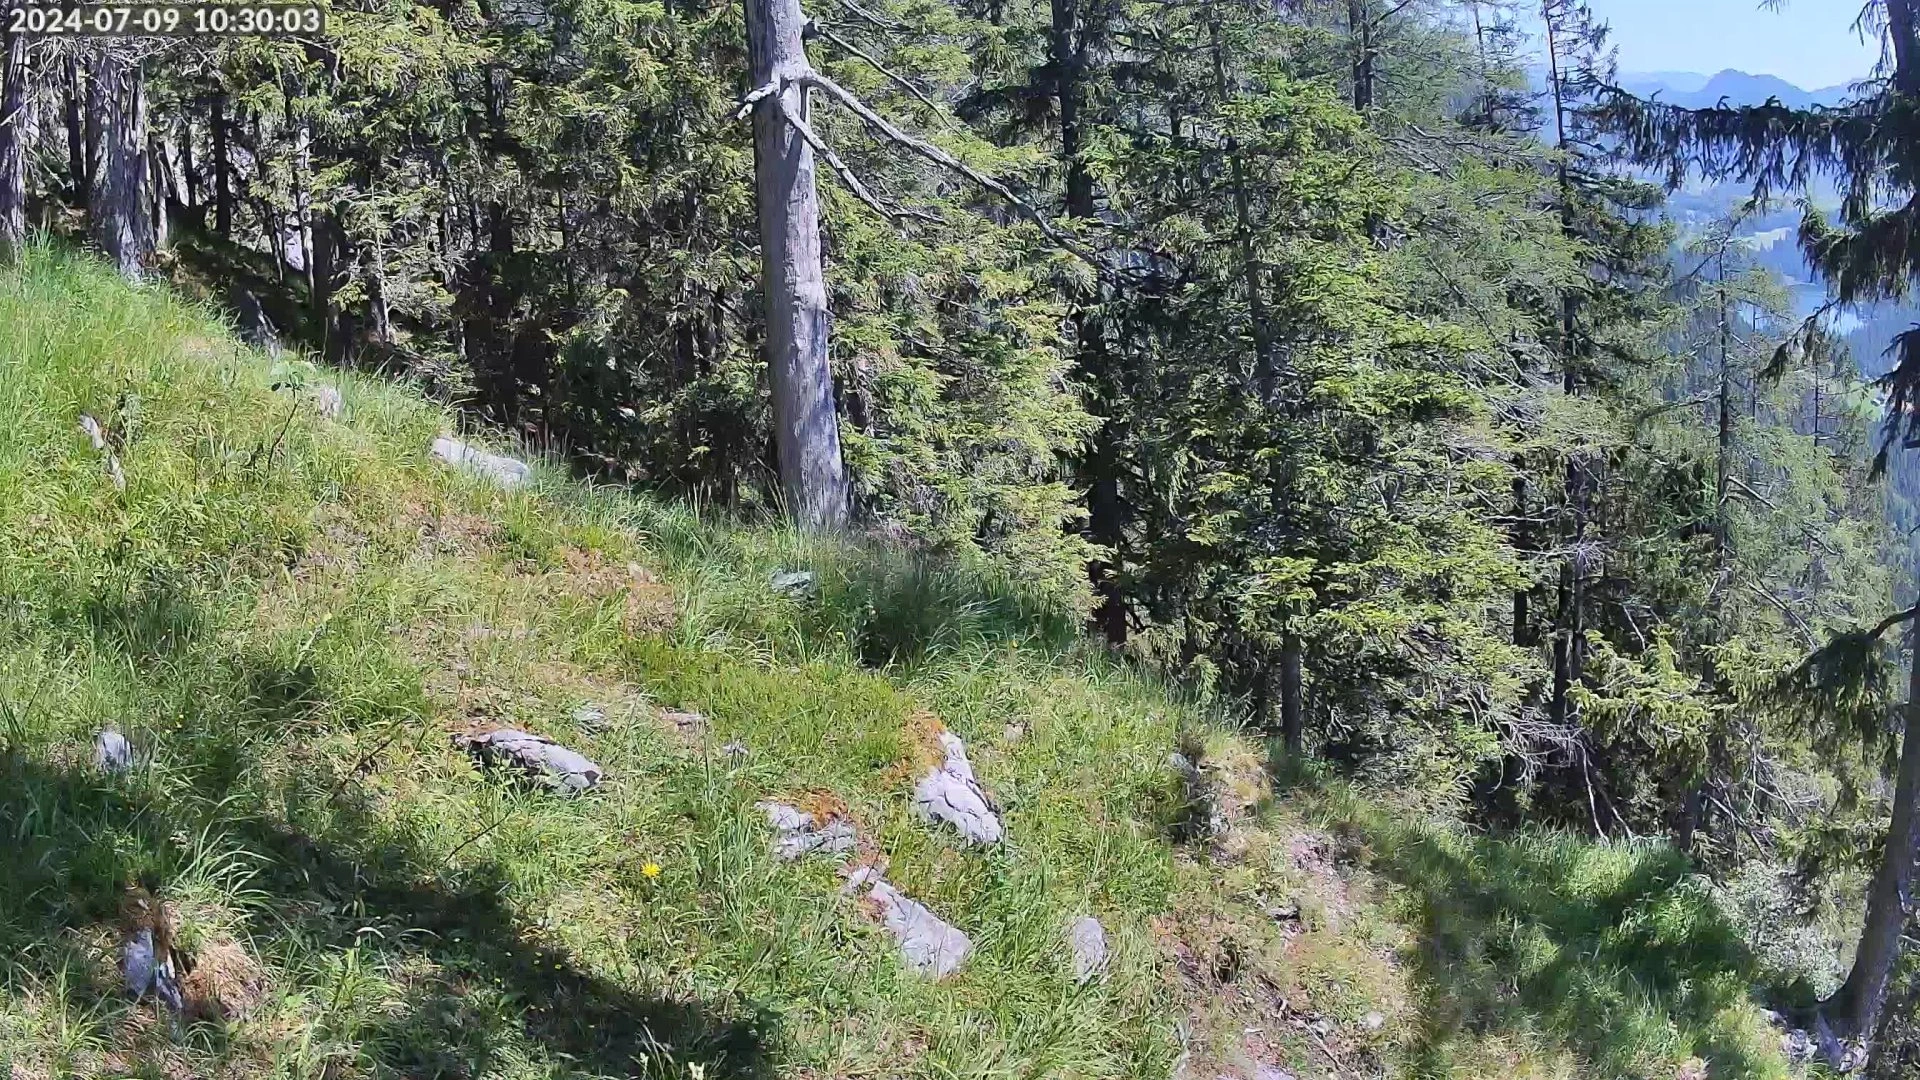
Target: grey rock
785, 818
1201, 818
137, 962
109, 460
254, 326
590, 716
735, 749
328, 402
504, 471
928, 944
1373, 1021
538, 756
951, 795
95, 434
1088, 940
111, 751
798, 833
833, 838
795, 583
859, 877
1797, 1046
147, 973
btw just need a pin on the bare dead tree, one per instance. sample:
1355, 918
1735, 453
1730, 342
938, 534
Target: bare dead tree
812, 472
813, 476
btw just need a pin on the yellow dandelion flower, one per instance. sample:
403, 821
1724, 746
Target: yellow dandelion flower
651, 870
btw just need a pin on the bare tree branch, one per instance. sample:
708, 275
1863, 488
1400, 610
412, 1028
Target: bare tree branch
1799, 621
845, 172
1894, 620
877, 20
940, 157
755, 96
897, 79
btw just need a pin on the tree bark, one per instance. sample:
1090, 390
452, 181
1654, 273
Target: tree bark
1266, 370
78, 157
189, 166
1854, 1009
1569, 647
118, 206
1523, 544
1360, 25
13, 158
222, 170
813, 476
1693, 814
1901, 26
1292, 694
1106, 508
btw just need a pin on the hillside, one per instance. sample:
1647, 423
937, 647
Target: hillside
290, 615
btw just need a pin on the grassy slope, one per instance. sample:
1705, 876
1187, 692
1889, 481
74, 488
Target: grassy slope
290, 615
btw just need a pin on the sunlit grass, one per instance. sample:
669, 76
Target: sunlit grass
289, 615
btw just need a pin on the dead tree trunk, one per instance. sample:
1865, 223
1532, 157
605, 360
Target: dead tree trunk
813, 476
13, 158
118, 207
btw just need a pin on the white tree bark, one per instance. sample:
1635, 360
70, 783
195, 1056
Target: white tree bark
813, 476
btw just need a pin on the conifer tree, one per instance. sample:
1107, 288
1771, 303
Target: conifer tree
1871, 146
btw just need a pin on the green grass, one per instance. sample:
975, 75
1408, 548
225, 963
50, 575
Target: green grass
1561, 955
291, 615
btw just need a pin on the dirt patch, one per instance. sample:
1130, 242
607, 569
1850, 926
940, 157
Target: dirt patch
688, 725
340, 542
449, 532
824, 805
648, 604
921, 751
1276, 973
224, 983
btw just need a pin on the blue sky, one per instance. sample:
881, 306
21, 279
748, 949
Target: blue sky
1809, 43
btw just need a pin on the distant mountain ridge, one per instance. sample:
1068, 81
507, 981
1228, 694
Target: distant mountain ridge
1695, 91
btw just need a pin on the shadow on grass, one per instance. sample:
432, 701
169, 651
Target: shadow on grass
1615, 953
486, 989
